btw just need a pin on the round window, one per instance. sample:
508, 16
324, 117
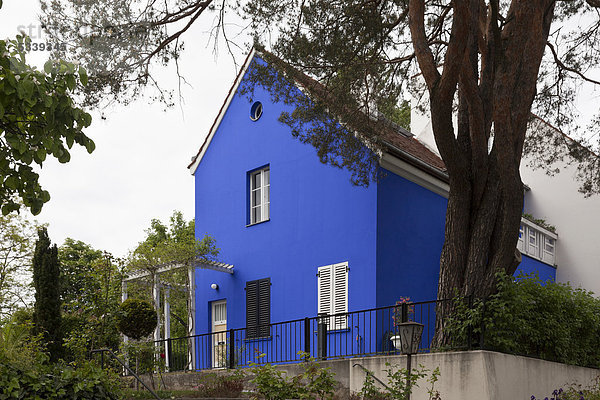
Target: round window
256, 111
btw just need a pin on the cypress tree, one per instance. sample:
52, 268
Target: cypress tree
46, 274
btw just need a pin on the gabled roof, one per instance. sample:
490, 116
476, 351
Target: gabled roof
397, 141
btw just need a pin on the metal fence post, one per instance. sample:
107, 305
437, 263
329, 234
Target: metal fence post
307, 335
231, 349
404, 312
322, 337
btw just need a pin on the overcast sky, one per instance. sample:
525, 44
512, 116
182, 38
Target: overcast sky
138, 171
139, 168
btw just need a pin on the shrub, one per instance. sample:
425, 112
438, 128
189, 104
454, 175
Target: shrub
25, 372
136, 318
18, 346
273, 384
56, 381
548, 320
396, 383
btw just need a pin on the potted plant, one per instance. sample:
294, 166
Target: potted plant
397, 318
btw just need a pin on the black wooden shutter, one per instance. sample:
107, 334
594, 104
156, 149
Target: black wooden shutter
264, 307
252, 309
258, 308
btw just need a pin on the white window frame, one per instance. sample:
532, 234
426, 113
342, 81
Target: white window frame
548, 255
219, 307
538, 249
533, 243
263, 204
332, 294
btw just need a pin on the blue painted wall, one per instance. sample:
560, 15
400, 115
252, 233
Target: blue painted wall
530, 265
410, 235
391, 233
317, 218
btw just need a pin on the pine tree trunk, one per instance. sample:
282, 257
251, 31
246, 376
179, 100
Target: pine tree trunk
492, 71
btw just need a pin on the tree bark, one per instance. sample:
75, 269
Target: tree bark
492, 71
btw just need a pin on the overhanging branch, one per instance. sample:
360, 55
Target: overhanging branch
561, 65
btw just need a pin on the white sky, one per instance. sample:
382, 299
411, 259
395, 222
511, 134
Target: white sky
138, 171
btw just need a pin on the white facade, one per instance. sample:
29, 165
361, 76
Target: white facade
576, 218
555, 199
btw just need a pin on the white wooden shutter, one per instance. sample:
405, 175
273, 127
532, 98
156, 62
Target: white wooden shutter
332, 287
324, 286
340, 294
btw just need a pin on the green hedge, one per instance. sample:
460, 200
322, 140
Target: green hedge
528, 317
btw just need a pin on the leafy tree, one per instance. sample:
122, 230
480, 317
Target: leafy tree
173, 245
16, 250
78, 285
38, 118
46, 280
91, 293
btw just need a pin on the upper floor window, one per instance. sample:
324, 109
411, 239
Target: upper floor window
259, 195
537, 242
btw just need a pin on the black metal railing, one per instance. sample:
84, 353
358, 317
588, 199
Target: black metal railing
358, 333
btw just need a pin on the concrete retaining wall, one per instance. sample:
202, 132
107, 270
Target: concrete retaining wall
474, 375
481, 375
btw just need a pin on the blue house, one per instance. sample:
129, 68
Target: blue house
302, 239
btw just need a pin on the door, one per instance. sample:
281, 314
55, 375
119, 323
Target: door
219, 331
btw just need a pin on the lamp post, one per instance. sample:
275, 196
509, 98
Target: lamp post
410, 337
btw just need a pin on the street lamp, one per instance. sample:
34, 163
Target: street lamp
410, 336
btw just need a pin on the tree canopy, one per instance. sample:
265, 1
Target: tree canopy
90, 292
120, 42
175, 243
78, 283
38, 118
169, 245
